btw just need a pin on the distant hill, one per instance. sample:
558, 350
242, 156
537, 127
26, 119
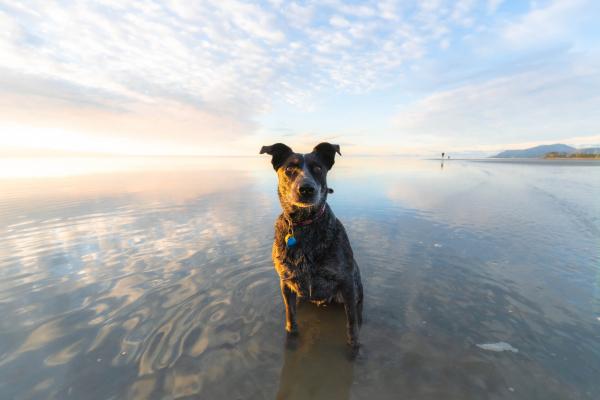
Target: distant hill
538, 151
590, 150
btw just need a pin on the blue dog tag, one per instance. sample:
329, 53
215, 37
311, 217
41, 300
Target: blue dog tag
290, 241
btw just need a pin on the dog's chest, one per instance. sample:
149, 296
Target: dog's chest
308, 279
304, 267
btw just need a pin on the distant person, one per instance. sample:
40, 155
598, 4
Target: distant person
443, 155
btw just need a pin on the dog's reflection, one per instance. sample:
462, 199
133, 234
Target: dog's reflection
317, 364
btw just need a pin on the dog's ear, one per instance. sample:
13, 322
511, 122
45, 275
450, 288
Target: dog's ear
279, 151
326, 152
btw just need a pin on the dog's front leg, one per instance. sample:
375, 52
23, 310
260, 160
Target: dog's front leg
289, 299
351, 316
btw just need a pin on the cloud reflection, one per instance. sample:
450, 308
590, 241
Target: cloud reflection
141, 271
160, 284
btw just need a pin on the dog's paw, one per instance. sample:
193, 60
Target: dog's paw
291, 330
353, 346
352, 351
292, 342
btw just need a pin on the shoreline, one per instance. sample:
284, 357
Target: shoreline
539, 161
544, 161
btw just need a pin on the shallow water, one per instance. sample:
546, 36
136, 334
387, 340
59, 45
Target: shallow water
154, 280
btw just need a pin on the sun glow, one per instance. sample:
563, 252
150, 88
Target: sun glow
19, 140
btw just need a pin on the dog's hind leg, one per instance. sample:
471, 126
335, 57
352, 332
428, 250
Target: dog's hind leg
289, 300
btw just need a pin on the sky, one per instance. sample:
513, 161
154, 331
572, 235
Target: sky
226, 77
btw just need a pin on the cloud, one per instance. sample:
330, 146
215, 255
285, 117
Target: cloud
558, 101
155, 72
388, 9
299, 16
493, 5
545, 24
203, 74
225, 54
339, 22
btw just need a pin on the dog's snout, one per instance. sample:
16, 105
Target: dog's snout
307, 190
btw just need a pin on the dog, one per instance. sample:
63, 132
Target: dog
311, 251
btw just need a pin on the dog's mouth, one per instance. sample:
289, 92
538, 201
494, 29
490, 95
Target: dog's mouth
304, 205
300, 202
307, 200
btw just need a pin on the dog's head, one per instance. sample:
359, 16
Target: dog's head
302, 177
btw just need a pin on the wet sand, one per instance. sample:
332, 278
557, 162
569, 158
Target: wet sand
158, 283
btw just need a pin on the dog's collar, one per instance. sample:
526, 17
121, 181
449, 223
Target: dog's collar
290, 240
313, 219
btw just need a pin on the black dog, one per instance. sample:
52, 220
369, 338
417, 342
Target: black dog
311, 251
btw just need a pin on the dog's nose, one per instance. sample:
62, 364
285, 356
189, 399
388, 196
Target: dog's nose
307, 190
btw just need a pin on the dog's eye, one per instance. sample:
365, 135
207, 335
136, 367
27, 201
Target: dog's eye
317, 169
289, 171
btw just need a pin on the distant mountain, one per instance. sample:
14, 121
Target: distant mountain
537, 151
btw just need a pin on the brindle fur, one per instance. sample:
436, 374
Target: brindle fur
320, 268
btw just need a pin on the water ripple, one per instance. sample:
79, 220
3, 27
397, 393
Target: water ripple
170, 292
